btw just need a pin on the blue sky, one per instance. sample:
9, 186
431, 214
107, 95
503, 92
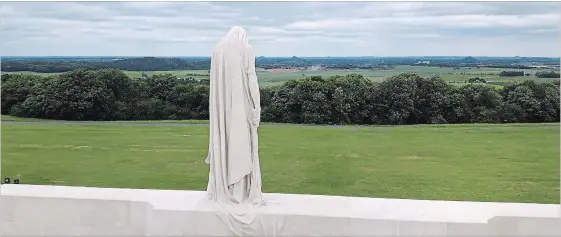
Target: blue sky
281, 28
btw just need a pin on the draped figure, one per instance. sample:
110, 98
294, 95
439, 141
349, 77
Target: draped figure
235, 176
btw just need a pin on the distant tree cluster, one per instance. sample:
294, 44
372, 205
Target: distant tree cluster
477, 80
106, 94
109, 94
407, 99
509, 66
511, 73
550, 74
129, 64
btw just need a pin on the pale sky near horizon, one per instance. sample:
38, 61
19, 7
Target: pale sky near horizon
281, 28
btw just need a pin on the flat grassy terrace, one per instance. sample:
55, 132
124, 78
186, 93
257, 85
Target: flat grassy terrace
506, 163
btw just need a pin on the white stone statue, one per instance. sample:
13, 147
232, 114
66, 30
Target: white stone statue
235, 175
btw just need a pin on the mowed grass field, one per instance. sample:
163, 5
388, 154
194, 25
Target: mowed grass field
505, 163
456, 77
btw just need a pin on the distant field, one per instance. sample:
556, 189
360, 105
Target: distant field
448, 74
456, 77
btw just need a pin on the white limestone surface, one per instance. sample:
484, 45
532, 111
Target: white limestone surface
64, 211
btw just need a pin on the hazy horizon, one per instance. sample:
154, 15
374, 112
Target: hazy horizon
303, 56
282, 29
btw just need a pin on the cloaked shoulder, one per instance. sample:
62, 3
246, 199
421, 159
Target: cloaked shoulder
218, 47
249, 50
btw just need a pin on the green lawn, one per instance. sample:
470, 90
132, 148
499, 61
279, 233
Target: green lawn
4, 117
507, 163
10, 118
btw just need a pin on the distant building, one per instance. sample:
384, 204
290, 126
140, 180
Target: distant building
314, 68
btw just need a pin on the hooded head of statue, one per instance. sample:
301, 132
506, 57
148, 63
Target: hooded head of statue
237, 36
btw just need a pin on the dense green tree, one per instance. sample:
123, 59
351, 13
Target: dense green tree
76, 95
272, 106
534, 102
410, 99
407, 98
477, 104
160, 86
191, 101
352, 99
511, 73
477, 80
16, 88
394, 100
121, 88
550, 74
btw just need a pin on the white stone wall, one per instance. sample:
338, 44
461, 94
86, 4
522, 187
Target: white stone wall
40, 216
28, 210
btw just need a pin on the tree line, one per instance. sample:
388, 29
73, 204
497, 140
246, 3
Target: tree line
546, 74
512, 74
109, 94
540, 74
129, 64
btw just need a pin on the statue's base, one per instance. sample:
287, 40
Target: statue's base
35, 210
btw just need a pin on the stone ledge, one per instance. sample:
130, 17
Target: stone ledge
61, 211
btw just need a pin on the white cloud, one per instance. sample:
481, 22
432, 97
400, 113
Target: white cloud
420, 35
455, 21
281, 28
